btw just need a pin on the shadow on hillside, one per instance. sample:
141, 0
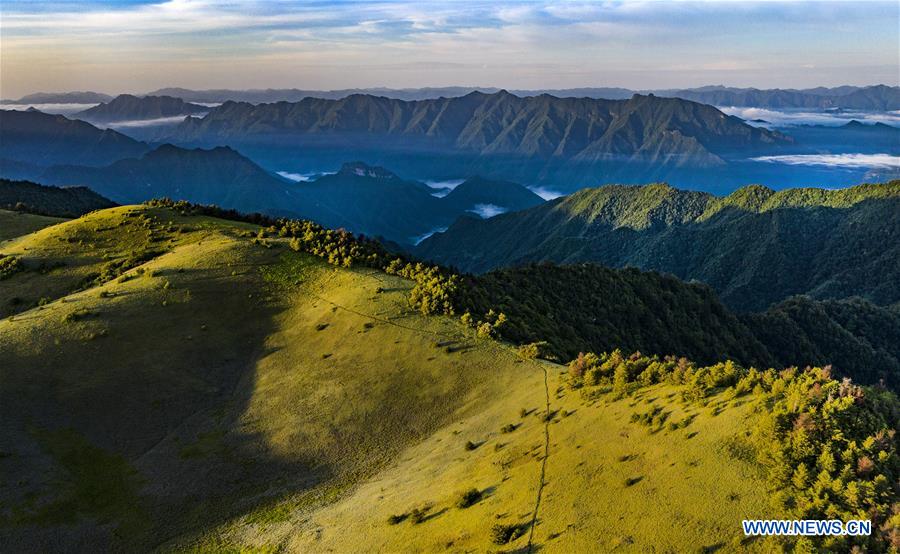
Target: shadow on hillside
165, 389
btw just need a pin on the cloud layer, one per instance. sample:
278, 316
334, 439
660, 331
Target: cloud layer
775, 118
139, 45
850, 161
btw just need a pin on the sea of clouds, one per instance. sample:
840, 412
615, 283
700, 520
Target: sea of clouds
788, 118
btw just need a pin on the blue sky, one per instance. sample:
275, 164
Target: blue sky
137, 45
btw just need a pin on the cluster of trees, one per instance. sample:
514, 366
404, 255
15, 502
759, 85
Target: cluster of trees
830, 447
436, 289
490, 327
9, 266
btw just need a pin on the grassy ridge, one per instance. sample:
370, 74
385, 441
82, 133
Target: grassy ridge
220, 374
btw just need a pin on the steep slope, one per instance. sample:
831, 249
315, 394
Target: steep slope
43, 139
25, 196
581, 308
855, 336
127, 107
755, 247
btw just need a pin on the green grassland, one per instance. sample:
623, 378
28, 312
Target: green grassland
178, 383
16, 224
219, 375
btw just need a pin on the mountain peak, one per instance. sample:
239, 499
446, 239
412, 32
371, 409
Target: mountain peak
361, 169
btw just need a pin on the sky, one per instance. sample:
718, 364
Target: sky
138, 46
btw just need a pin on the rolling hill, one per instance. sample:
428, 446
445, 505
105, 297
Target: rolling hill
15, 224
182, 382
127, 107
755, 247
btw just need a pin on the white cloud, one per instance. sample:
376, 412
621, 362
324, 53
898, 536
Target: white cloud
776, 118
132, 123
852, 161
420, 238
486, 211
514, 44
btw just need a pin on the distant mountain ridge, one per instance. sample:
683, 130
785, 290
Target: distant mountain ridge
85, 97
487, 133
128, 107
755, 246
876, 97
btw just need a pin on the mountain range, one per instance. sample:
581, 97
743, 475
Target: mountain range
127, 107
755, 247
82, 97
538, 140
876, 97
643, 128
36, 139
364, 199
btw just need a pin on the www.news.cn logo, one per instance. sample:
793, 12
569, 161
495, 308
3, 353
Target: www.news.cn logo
806, 527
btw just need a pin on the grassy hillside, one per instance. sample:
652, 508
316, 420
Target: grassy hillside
186, 383
216, 375
755, 247
16, 224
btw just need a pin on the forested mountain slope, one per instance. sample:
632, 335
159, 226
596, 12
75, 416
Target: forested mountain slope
755, 247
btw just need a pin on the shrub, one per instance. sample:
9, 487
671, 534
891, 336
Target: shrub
506, 533
468, 498
395, 519
469, 446
9, 266
418, 515
508, 428
534, 350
